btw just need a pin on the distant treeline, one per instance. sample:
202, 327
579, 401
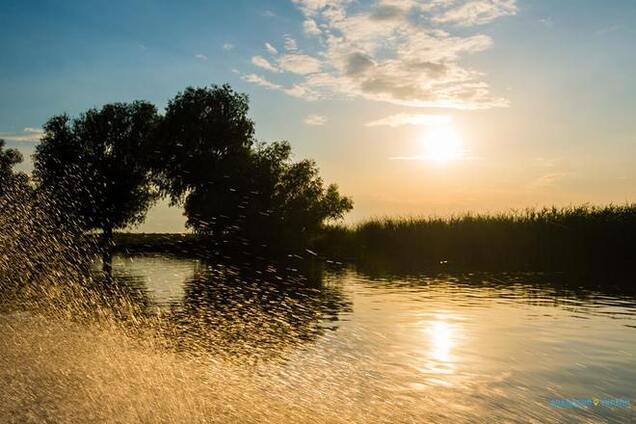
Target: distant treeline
186, 244
549, 239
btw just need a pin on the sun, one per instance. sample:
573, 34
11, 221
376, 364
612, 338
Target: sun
443, 144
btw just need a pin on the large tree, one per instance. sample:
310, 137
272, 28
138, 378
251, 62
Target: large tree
232, 189
268, 201
204, 134
94, 167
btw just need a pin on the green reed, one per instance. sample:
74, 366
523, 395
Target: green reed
534, 239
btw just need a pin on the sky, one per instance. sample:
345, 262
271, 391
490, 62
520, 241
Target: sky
413, 107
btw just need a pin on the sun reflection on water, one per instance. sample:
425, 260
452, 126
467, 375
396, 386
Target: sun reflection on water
440, 360
442, 342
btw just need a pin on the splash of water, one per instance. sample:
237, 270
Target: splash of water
74, 348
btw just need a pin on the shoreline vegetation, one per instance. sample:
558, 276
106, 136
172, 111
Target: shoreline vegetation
549, 239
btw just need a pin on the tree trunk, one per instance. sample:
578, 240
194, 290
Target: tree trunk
107, 252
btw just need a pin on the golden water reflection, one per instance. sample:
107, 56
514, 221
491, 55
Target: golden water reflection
356, 349
441, 335
438, 355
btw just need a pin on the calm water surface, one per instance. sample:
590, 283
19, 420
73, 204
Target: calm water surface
444, 348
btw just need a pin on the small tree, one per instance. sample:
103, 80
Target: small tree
94, 167
10, 179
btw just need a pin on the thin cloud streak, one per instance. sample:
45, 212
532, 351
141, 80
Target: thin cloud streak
548, 180
315, 120
294, 91
28, 135
271, 49
402, 119
261, 62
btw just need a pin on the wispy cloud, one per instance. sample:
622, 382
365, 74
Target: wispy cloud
27, 134
548, 22
301, 64
201, 56
397, 51
228, 46
609, 29
476, 12
292, 62
290, 43
258, 80
416, 157
541, 162
310, 27
261, 62
271, 49
402, 119
547, 180
295, 90
315, 120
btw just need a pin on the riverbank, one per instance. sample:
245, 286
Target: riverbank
549, 239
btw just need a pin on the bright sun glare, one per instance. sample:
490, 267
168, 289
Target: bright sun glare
441, 335
442, 144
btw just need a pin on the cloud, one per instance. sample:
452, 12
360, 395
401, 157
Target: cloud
294, 91
548, 22
258, 80
315, 120
27, 134
201, 56
290, 43
271, 49
609, 29
401, 119
416, 157
542, 162
299, 63
397, 51
261, 62
301, 91
547, 180
310, 27
228, 46
478, 12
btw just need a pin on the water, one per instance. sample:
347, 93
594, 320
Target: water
267, 344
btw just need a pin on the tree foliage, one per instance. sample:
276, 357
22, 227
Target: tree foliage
204, 134
9, 178
231, 188
94, 166
271, 200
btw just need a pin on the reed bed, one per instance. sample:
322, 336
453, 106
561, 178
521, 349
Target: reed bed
532, 239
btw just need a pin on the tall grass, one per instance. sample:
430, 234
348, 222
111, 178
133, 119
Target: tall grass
532, 239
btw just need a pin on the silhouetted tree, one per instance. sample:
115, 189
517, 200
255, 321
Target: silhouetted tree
205, 133
94, 167
8, 177
269, 200
232, 190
